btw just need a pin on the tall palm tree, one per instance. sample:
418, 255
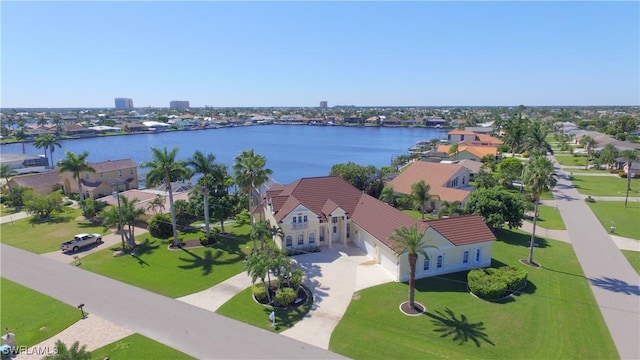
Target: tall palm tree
539, 176
276, 233
130, 215
257, 266
6, 172
76, 164
48, 142
163, 170
589, 144
205, 165
21, 136
412, 242
157, 204
260, 231
420, 195
536, 140
249, 173
75, 352
629, 156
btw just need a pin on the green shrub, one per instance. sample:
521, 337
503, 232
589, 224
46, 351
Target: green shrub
259, 292
494, 283
525, 154
160, 226
284, 296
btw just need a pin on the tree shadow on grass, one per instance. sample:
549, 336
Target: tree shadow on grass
231, 244
456, 282
616, 285
206, 262
147, 247
513, 238
461, 329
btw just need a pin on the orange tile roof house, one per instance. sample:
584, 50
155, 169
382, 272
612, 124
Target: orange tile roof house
456, 136
328, 211
448, 182
467, 151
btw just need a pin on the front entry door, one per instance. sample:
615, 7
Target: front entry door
335, 231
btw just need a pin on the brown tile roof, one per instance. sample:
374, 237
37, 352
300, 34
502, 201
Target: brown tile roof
435, 175
39, 180
463, 230
111, 165
380, 219
313, 193
479, 137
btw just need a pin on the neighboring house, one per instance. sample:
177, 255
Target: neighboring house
109, 176
323, 211
470, 152
472, 165
472, 138
156, 126
102, 129
392, 122
146, 196
134, 127
41, 183
77, 131
448, 182
25, 164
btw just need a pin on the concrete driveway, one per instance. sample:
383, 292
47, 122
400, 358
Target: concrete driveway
333, 275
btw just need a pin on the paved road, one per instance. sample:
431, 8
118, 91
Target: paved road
615, 284
194, 331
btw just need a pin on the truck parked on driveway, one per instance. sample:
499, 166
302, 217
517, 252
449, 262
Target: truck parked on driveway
79, 241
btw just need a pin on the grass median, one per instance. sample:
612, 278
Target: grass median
549, 218
556, 316
605, 186
625, 219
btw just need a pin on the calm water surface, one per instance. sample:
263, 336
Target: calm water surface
292, 151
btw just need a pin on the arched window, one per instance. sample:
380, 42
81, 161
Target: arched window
300, 239
289, 240
312, 238
465, 257
440, 261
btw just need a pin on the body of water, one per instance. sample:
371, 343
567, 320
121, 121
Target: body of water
292, 151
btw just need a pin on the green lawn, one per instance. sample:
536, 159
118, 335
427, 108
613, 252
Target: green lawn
570, 160
4, 210
546, 195
605, 186
549, 218
174, 273
625, 219
242, 307
634, 258
136, 346
33, 316
45, 236
416, 214
556, 316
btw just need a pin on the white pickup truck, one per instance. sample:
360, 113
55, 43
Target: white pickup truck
79, 241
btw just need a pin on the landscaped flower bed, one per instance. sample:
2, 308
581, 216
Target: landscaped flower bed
283, 297
494, 284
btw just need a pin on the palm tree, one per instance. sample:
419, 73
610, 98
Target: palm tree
276, 233
434, 144
130, 215
449, 208
157, 204
387, 195
163, 170
206, 166
629, 156
249, 173
257, 266
6, 172
21, 136
420, 195
589, 143
75, 352
47, 141
539, 176
260, 231
412, 242
454, 150
536, 140
76, 164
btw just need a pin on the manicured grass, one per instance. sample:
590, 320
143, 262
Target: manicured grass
174, 273
136, 346
4, 210
556, 316
605, 186
624, 219
546, 195
633, 257
46, 236
33, 316
570, 160
549, 218
244, 308
416, 214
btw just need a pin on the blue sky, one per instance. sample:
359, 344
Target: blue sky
222, 54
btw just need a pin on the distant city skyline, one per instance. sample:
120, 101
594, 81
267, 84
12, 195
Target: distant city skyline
296, 54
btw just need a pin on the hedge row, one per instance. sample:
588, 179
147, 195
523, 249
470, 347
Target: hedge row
492, 283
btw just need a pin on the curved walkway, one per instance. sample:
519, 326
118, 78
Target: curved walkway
615, 284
